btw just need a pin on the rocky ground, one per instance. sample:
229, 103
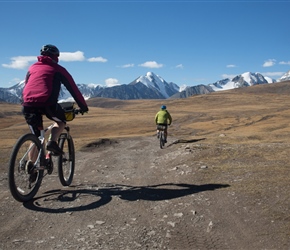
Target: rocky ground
222, 182
130, 194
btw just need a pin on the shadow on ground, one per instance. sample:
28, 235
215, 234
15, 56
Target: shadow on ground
98, 196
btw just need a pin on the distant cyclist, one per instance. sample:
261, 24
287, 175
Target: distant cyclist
40, 95
163, 118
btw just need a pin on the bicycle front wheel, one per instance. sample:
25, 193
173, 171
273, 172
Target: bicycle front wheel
66, 161
23, 179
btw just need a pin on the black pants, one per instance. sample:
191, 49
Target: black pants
33, 116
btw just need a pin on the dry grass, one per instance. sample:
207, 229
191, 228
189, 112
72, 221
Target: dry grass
249, 115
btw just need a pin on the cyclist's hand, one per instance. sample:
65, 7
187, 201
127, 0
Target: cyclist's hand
84, 110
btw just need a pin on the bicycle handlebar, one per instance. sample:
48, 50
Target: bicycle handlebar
78, 111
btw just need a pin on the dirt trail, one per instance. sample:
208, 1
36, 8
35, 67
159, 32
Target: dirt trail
129, 194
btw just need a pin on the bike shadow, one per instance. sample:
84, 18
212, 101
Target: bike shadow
73, 198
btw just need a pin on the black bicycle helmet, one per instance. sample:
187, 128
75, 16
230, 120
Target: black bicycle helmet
49, 50
163, 107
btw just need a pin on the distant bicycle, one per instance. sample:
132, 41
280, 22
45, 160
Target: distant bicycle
161, 135
25, 176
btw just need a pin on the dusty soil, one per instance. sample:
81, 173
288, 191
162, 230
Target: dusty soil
129, 194
224, 184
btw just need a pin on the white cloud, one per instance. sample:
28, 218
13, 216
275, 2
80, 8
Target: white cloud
129, 65
20, 62
285, 63
72, 56
269, 63
179, 66
110, 82
97, 59
224, 76
151, 64
231, 66
23, 62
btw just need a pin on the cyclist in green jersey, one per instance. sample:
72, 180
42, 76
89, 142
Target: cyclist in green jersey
163, 118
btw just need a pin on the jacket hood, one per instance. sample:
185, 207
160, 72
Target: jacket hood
48, 59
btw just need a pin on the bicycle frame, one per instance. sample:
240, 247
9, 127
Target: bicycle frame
41, 157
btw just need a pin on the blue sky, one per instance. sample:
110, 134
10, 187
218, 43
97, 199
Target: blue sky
114, 42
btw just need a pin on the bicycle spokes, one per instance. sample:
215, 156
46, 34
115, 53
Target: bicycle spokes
24, 180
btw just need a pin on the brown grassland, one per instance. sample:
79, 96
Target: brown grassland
241, 134
250, 115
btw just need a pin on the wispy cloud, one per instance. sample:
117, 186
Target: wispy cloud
179, 66
151, 64
224, 76
231, 66
129, 65
285, 63
97, 59
110, 82
269, 63
273, 74
20, 62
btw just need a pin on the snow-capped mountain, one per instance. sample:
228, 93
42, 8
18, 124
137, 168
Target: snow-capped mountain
285, 77
244, 80
149, 86
88, 91
13, 94
194, 90
155, 82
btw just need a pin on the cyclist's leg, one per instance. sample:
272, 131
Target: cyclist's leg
157, 132
33, 117
165, 132
55, 113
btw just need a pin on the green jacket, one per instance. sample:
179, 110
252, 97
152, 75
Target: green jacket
162, 117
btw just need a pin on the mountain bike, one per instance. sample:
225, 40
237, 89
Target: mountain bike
161, 135
25, 176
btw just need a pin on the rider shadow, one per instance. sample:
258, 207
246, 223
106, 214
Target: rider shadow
158, 192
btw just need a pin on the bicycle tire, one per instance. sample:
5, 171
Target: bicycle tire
66, 161
19, 179
161, 140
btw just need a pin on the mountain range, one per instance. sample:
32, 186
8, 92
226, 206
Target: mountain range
149, 86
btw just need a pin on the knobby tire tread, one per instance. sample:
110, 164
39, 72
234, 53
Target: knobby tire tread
68, 159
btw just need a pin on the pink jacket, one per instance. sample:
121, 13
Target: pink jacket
43, 81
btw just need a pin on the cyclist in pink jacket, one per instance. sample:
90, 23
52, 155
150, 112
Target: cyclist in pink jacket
40, 95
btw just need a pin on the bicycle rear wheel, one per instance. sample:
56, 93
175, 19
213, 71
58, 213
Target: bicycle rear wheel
66, 162
23, 179
161, 139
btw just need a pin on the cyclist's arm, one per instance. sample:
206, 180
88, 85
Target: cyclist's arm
71, 86
156, 118
169, 118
